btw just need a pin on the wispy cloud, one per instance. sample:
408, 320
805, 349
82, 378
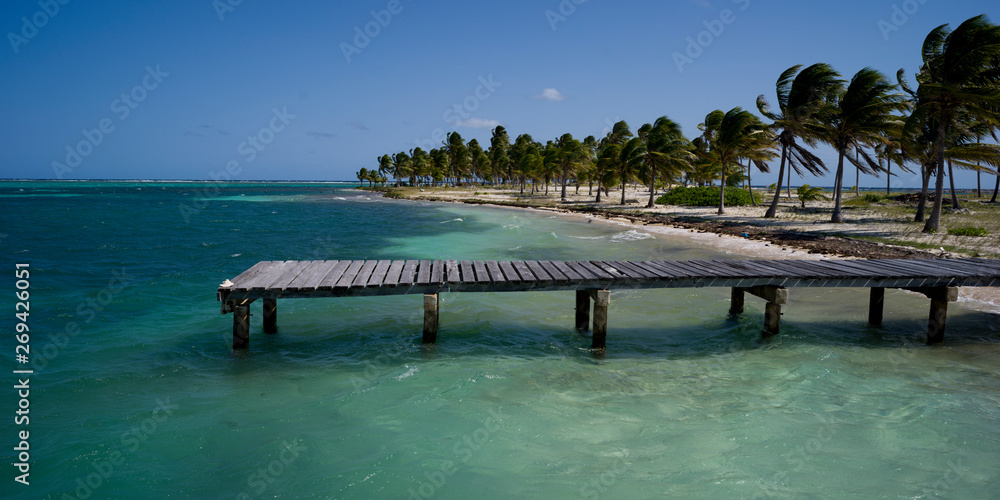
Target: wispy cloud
321, 135
551, 94
192, 134
357, 125
477, 123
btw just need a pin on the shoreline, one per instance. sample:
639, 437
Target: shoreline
726, 236
813, 243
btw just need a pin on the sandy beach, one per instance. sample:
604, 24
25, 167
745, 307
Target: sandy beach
869, 231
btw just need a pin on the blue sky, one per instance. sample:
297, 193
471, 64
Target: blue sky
257, 89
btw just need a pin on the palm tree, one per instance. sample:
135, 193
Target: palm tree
499, 161
400, 166
668, 152
861, 116
801, 102
458, 156
959, 78
362, 176
629, 161
730, 136
570, 154
809, 193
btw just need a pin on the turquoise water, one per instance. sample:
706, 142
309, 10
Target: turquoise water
144, 398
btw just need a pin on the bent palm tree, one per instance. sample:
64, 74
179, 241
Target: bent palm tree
862, 116
801, 101
959, 78
668, 152
731, 136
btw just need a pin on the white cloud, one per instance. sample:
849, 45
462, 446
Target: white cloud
477, 123
551, 94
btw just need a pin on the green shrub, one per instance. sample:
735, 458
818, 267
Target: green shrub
968, 231
705, 197
873, 198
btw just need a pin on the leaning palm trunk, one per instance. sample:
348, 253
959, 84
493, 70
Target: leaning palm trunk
951, 181
996, 188
722, 192
934, 221
773, 209
838, 189
925, 174
652, 191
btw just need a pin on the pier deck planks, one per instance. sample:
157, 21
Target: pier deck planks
333, 278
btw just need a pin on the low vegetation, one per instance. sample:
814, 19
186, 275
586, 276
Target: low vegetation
706, 197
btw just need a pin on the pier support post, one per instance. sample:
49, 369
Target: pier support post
772, 318
736, 301
876, 303
602, 299
270, 315
940, 297
241, 326
582, 310
430, 318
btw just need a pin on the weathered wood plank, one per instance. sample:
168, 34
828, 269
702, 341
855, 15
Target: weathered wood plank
309, 275
361, 280
289, 275
409, 273
509, 273
496, 275
392, 275
350, 274
553, 271
523, 271
584, 271
468, 276
437, 272
245, 276
482, 275
331, 279
378, 275
567, 271
264, 280
424, 272
452, 272
540, 274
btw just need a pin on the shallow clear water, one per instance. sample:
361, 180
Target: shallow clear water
148, 400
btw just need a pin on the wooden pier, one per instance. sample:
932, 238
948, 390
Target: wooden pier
938, 279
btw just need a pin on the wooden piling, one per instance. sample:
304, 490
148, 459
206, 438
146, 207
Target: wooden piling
602, 299
772, 318
582, 310
876, 304
241, 326
430, 318
939, 312
270, 315
736, 301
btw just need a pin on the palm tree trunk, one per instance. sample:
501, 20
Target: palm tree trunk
925, 178
623, 190
888, 175
750, 184
951, 180
934, 221
838, 188
857, 174
773, 209
599, 190
722, 191
652, 190
564, 184
996, 188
